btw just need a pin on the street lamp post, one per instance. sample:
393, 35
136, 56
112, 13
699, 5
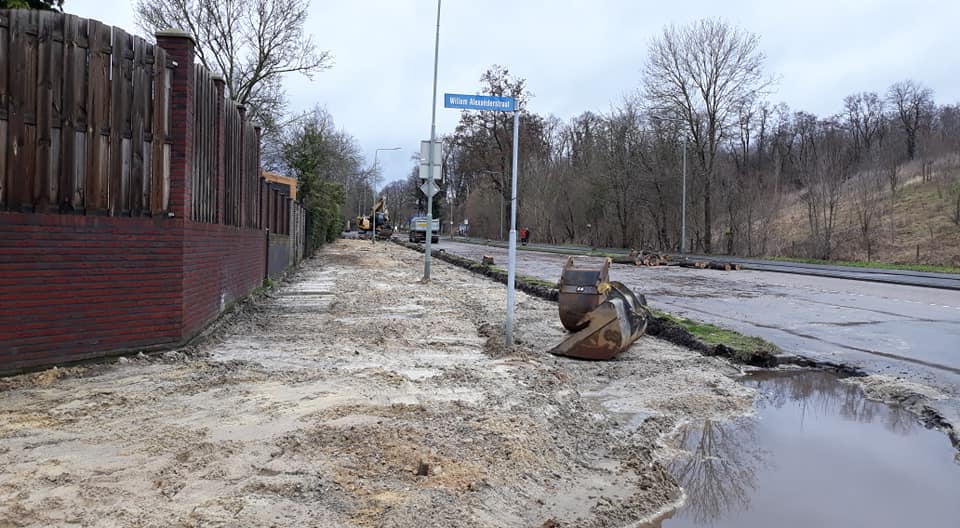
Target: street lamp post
373, 188
683, 195
430, 160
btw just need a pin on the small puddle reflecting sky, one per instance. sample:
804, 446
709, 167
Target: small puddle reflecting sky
818, 454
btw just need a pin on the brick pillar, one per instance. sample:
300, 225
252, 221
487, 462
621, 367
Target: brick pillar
180, 48
220, 143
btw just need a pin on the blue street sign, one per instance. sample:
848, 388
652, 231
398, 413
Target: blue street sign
479, 102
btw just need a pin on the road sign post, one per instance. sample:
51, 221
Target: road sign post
499, 104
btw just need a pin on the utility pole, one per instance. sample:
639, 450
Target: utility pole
433, 139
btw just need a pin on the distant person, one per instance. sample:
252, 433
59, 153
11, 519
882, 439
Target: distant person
524, 235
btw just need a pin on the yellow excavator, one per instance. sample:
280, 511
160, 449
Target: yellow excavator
379, 216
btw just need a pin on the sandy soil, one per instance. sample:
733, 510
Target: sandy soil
356, 396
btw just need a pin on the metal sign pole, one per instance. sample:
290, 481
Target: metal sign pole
512, 268
433, 139
498, 104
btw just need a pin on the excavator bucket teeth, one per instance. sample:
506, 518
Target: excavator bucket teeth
582, 289
609, 329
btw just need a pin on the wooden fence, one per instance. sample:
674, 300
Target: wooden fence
85, 126
84, 117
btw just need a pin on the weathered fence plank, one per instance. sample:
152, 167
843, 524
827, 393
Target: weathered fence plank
42, 182
98, 125
4, 101
140, 98
73, 114
21, 117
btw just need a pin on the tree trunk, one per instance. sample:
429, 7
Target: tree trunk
707, 218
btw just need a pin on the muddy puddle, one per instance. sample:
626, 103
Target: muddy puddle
817, 453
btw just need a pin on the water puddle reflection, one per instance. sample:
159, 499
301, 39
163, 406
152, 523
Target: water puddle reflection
818, 453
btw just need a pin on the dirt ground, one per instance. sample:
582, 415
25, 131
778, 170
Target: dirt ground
353, 395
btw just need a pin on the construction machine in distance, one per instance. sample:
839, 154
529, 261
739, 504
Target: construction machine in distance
380, 217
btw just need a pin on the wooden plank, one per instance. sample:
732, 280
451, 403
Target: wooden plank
165, 181
72, 114
56, 45
29, 39
227, 163
4, 52
140, 99
210, 136
79, 170
98, 97
157, 135
116, 185
3, 164
45, 181
19, 177
195, 192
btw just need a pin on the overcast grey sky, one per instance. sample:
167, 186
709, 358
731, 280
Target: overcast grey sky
585, 55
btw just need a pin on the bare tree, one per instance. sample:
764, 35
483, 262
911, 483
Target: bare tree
704, 73
865, 115
913, 104
253, 44
867, 200
825, 161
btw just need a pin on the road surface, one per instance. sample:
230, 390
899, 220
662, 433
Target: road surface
950, 281
899, 330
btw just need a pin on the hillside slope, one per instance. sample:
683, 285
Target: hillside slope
921, 230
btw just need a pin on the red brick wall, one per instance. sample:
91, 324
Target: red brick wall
221, 264
75, 287
79, 287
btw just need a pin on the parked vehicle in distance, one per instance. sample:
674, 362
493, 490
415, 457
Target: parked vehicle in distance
418, 229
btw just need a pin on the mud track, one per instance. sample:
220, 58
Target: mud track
355, 396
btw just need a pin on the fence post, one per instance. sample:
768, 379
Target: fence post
181, 49
220, 146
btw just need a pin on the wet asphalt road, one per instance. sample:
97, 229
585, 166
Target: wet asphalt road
900, 330
949, 281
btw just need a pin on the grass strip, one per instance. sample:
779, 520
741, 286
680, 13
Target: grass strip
872, 264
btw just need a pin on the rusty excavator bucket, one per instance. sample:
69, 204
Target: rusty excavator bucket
580, 285
605, 317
